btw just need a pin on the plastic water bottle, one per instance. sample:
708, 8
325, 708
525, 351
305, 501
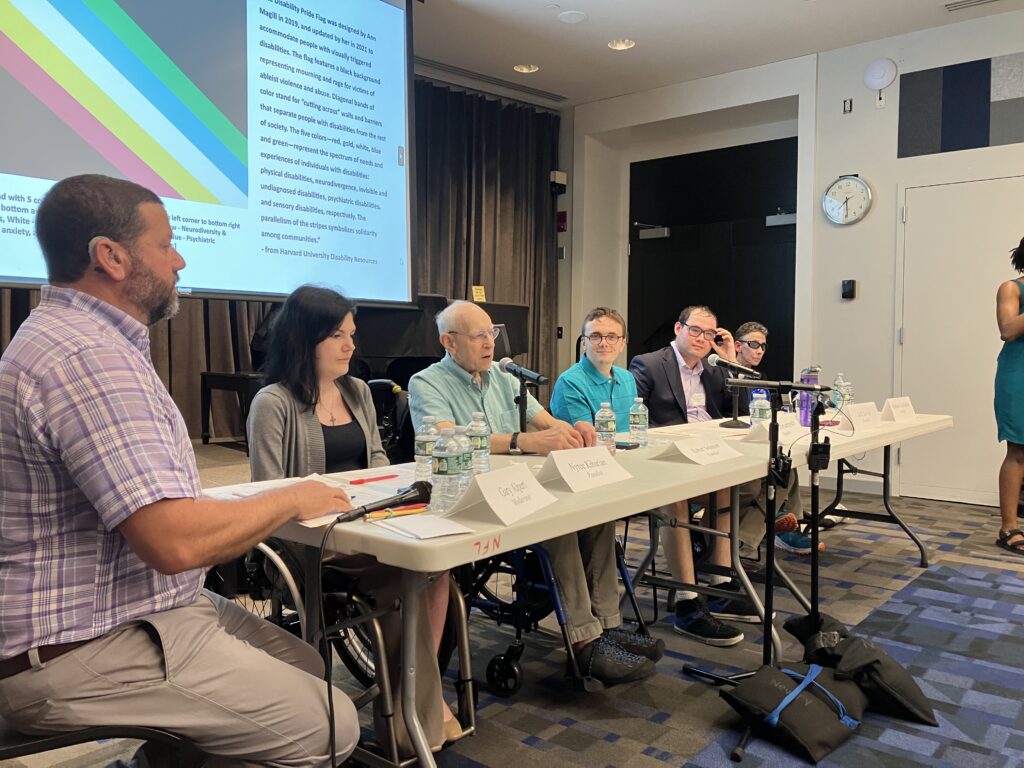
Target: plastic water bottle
760, 408
426, 436
808, 375
604, 423
466, 447
842, 392
479, 434
447, 469
638, 421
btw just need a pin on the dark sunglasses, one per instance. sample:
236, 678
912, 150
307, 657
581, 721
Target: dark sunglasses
755, 345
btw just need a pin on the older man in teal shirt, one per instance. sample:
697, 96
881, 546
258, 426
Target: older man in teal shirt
468, 380
595, 379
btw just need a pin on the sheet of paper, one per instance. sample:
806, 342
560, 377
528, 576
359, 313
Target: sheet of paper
700, 450
789, 432
582, 468
898, 409
424, 526
251, 489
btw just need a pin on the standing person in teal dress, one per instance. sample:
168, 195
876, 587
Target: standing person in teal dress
1010, 402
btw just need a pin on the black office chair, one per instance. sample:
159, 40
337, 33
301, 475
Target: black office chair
14, 744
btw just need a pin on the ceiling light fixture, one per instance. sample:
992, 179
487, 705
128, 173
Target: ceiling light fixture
621, 45
572, 17
526, 69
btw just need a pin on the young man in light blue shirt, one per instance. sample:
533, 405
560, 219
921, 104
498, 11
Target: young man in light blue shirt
595, 379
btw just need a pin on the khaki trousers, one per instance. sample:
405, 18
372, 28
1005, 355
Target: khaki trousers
241, 689
584, 566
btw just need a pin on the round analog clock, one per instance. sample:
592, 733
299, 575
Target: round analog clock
846, 200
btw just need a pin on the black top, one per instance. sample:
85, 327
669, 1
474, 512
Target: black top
344, 447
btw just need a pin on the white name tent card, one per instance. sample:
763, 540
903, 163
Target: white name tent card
789, 432
898, 409
700, 450
862, 415
502, 496
580, 469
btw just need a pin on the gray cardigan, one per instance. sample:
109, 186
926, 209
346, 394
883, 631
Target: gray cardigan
285, 437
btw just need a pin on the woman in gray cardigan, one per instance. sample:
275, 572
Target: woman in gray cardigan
313, 417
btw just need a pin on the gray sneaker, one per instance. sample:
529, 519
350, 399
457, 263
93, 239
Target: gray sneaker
642, 645
611, 664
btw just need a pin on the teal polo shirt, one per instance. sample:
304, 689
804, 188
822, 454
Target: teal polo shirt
448, 393
579, 392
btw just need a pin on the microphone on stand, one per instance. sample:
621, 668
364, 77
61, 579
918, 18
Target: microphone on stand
721, 362
417, 493
526, 374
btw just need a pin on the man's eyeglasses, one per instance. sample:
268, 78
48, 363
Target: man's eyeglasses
611, 338
480, 336
755, 345
697, 332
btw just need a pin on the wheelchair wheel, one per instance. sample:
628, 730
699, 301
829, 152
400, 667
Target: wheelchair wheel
504, 676
509, 598
352, 644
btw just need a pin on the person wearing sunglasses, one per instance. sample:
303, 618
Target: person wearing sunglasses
678, 388
751, 345
466, 380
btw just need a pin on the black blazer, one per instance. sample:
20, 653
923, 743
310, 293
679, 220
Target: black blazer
657, 382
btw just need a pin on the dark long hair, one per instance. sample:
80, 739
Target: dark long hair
306, 318
1017, 256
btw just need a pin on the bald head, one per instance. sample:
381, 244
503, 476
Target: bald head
466, 334
460, 315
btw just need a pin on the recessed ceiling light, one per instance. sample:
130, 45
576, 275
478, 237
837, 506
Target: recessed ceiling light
621, 45
572, 17
526, 69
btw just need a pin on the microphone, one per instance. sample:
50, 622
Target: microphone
417, 493
526, 374
721, 362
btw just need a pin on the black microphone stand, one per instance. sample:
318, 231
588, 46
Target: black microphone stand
734, 422
522, 399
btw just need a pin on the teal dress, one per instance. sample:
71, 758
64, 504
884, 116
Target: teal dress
1010, 385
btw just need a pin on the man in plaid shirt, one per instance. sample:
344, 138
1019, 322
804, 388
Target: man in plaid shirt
104, 532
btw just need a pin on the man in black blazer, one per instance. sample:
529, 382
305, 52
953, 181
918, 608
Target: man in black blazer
678, 387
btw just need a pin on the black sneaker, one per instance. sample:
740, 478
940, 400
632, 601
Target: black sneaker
611, 664
693, 620
739, 608
642, 645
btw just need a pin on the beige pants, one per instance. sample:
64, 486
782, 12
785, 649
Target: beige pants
238, 687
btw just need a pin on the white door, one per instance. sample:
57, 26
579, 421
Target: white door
957, 243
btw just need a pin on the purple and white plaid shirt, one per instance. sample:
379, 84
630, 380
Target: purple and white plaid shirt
88, 435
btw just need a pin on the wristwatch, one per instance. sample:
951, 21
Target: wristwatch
513, 445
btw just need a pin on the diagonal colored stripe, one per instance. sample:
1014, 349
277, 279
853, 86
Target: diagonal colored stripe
105, 77
183, 116
150, 54
42, 86
30, 40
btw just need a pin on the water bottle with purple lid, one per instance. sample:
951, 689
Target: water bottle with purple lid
808, 375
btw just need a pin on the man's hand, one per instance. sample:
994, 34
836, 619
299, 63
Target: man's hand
312, 499
587, 432
555, 438
727, 349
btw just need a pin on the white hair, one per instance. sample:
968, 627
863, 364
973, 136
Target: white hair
446, 317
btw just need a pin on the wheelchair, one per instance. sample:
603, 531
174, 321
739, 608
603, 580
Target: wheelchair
267, 576
529, 596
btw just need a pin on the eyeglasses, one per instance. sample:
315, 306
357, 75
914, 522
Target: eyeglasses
480, 336
611, 338
696, 332
755, 345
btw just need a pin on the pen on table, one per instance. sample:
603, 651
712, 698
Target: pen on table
385, 514
361, 480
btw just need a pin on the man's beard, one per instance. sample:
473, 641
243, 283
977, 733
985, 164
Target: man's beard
146, 291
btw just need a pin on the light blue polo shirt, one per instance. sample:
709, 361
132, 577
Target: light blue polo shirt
579, 392
448, 393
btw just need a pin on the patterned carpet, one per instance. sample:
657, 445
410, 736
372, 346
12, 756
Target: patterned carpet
956, 627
